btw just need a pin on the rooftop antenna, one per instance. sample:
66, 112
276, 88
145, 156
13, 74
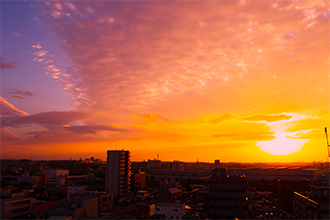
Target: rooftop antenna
157, 156
328, 146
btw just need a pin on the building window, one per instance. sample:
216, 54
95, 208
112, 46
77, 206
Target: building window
157, 209
177, 217
175, 210
171, 217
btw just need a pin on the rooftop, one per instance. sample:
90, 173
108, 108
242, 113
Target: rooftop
169, 204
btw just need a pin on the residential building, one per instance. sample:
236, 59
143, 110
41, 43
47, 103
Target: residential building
38, 211
216, 164
163, 185
56, 181
75, 190
177, 166
287, 187
169, 210
138, 181
313, 204
173, 184
159, 175
76, 207
79, 168
171, 194
142, 195
154, 163
56, 173
283, 173
105, 202
227, 195
118, 170
16, 207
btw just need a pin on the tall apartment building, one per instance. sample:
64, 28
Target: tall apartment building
227, 195
117, 180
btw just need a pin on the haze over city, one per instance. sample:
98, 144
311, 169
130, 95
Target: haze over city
240, 81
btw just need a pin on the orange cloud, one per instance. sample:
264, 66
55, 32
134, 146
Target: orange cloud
268, 118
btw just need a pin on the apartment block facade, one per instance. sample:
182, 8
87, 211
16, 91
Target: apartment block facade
118, 171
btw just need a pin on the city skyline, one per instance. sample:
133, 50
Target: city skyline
239, 81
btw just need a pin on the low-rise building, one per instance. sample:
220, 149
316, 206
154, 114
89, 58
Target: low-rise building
171, 195
141, 195
313, 204
105, 202
75, 190
169, 210
76, 207
138, 181
16, 207
154, 163
178, 166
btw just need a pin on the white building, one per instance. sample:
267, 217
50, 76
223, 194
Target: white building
56, 173
58, 181
118, 171
169, 210
75, 190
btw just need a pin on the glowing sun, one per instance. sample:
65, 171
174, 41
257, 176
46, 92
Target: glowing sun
282, 145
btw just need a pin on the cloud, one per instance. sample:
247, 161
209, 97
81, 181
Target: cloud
268, 118
10, 65
254, 136
9, 110
19, 93
36, 46
215, 119
46, 118
92, 129
7, 135
17, 34
141, 58
150, 117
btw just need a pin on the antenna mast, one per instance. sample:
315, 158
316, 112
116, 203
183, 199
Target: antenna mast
326, 135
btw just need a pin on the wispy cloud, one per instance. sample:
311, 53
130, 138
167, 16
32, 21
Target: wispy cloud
17, 34
16, 93
140, 58
7, 65
268, 118
9, 110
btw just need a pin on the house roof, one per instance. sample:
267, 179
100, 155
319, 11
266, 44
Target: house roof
172, 191
49, 205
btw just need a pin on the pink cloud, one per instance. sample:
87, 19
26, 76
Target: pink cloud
9, 110
144, 59
5, 65
46, 118
7, 136
17, 34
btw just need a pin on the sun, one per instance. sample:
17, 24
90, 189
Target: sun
282, 145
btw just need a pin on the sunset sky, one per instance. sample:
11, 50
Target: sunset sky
240, 81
